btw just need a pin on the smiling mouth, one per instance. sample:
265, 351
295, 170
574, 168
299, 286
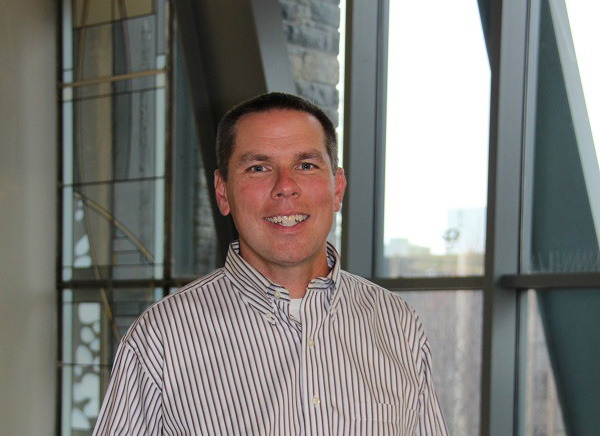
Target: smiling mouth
287, 220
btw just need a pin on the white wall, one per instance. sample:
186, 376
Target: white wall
28, 132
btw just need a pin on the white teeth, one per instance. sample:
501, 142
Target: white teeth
287, 220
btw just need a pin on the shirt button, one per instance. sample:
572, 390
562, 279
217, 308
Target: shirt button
311, 342
277, 294
268, 316
316, 400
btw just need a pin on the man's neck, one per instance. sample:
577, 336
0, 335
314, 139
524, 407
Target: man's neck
294, 278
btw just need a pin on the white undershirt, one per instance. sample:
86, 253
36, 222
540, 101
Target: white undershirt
295, 308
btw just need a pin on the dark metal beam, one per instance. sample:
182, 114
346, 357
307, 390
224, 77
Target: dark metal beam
74, 285
551, 281
363, 135
431, 283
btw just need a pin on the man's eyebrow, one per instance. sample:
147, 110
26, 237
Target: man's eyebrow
253, 157
312, 154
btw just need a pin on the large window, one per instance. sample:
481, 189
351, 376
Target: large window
436, 140
472, 158
128, 145
561, 221
435, 185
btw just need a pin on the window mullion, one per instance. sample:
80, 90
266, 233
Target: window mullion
361, 118
500, 325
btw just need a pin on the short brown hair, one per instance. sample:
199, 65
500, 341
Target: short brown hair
264, 103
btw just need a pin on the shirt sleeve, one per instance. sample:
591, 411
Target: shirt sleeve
132, 404
431, 420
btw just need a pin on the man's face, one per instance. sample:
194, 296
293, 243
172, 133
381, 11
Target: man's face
280, 190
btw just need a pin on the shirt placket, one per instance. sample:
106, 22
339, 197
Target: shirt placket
314, 389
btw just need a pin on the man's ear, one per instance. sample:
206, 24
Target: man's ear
221, 193
338, 189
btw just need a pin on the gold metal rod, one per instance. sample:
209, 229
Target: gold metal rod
118, 224
108, 79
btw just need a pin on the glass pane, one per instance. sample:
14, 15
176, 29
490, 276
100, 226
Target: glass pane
130, 8
116, 137
560, 375
93, 12
453, 323
193, 230
92, 53
114, 231
541, 411
135, 113
92, 141
127, 46
80, 405
438, 92
563, 230
113, 180
93, 323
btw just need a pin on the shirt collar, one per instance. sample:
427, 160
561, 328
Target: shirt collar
262, 294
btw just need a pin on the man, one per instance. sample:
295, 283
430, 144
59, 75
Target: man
280, 341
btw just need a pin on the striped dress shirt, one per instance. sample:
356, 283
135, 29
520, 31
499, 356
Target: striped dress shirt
222, 356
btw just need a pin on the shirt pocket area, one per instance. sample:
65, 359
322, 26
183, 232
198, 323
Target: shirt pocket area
384, 419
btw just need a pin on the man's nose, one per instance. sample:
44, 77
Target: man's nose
285, 186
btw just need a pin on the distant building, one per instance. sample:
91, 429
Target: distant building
465, 246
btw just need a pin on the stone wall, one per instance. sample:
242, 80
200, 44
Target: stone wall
313, 40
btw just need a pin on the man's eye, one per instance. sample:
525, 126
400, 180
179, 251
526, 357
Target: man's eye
307, 166
257, 168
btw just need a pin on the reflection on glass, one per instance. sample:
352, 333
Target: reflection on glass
541, 411
436, 140
565, 198
452, 322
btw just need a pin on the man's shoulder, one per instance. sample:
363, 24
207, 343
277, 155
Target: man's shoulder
356, 280
388, 309
156, 316
359, 287
195, 288
198, 286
